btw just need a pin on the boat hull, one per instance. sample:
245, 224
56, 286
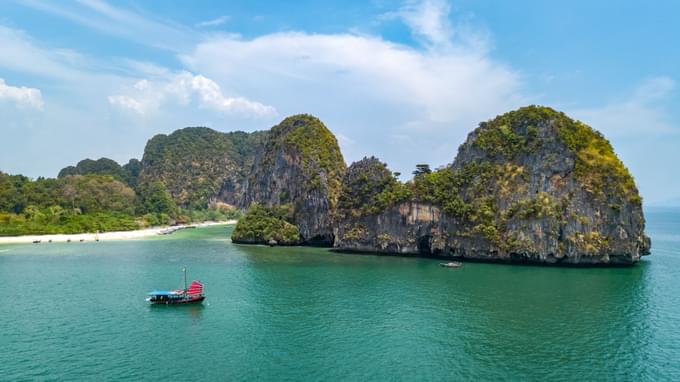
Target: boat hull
178, 301
450, 265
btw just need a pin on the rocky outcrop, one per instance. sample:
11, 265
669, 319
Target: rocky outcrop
262, 225
199, 165
405, 229
299, 166
529, 186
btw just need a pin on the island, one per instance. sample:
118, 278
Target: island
529, 186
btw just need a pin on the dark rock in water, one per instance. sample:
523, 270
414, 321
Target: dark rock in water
530, 186
301, 166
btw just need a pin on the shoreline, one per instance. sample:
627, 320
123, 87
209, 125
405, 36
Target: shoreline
105, 236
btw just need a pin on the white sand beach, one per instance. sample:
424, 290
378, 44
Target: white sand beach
104, 236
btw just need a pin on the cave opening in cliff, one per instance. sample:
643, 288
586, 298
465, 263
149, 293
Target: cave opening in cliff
424, 245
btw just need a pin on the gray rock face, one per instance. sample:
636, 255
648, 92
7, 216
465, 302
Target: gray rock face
530, 186
297, 162
408, 228
300, 165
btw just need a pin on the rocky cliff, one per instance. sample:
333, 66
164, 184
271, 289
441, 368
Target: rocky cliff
300, 166
198, 165
294, 167
529, 186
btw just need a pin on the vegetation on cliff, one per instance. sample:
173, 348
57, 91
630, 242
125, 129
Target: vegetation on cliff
369, 187
193, 163
307, 136
531, 182
261, 225
300, 165
504, 139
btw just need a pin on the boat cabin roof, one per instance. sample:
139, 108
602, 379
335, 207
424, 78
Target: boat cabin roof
163, 293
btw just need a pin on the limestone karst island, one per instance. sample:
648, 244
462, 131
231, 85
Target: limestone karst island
529, 186
404, 190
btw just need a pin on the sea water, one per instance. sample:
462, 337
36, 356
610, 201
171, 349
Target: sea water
77, 311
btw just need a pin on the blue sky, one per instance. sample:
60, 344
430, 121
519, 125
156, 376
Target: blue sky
405, 81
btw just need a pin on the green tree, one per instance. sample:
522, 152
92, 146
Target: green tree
155, 198
422, 168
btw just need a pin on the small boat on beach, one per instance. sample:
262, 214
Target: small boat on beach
451, 264
193, 294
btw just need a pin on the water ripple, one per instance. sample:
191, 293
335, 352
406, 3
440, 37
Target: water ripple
76, 312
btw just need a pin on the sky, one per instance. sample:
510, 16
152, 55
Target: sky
405, 81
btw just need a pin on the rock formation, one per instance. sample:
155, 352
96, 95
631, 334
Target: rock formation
529, 186
198, 165
300, 166
271, 226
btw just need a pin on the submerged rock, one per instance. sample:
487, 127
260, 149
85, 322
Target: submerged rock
529, 186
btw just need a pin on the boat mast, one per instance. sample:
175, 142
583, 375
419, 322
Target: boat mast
185, 281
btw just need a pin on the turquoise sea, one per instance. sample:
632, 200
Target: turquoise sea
77, 312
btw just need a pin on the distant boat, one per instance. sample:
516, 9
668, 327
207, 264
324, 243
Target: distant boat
193, 294
451, 264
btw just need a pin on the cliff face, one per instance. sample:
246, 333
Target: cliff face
199, 165
300, 165
295, 167
529, 186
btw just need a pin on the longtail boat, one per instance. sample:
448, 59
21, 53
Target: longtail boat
451, 264
189, 295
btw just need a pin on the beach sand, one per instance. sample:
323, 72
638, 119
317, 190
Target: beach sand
103, 236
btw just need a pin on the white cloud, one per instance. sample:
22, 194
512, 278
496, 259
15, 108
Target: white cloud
430, 23
134, 26
20, 53
148, 96
127, 102
363, 87
367, 88
21, 96
429, 19
644, 111
443, 87
214, 22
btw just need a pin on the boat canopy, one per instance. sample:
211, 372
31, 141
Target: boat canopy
196, 288
164, 293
